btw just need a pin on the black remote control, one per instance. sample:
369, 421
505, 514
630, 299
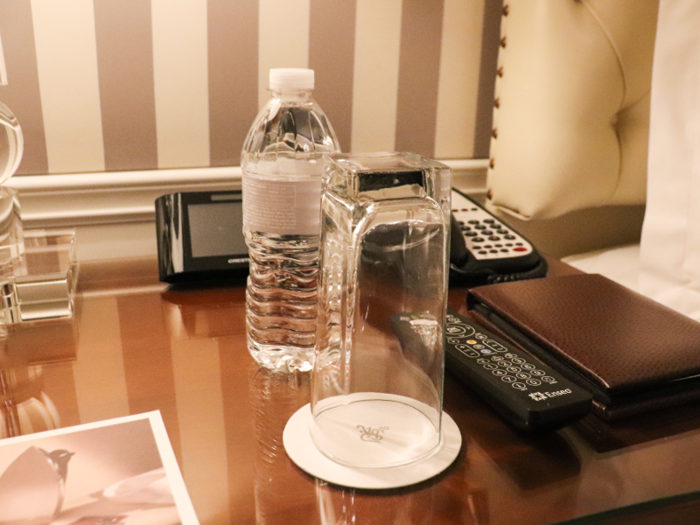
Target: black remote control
525, 391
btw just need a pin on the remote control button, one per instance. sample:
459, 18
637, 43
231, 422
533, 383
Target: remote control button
478, 239
498, 347
480, 336
510, 237
453, 341
513, 369
519, 249
483, 361
508, 379
467, 351
496, 358
456, 330
490, 221
533, 382
549, 379
505, 364
537, 372
517, 360
510, 355
491, 366
499, 372
527, 366
519, 386
523, 375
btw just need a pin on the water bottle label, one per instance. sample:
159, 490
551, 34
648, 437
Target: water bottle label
282, 207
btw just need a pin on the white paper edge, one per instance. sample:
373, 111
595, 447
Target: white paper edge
172, 469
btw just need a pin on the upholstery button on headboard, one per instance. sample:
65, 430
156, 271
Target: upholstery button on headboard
572, 112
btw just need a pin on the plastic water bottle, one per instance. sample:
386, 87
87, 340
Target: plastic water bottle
282, 162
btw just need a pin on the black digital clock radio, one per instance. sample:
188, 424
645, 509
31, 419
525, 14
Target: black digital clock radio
200, 236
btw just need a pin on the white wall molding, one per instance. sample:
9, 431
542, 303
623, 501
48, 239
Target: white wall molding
469, 174
112, 197
114, 212
115, 197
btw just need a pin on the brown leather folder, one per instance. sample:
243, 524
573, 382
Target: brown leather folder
633, 354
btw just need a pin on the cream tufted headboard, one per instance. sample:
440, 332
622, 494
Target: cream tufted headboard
571, 113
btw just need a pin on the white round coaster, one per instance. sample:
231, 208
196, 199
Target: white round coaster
302, 451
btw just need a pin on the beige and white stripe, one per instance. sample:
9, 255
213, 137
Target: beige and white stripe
21, 94
331, 56
180, 71
100, 85
67, 64
125, 62
419, 73
376, 78
233, 70
457, 89
283, 38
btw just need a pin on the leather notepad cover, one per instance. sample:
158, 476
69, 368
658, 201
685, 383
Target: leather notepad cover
633, 354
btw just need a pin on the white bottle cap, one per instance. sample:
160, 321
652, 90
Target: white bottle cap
291, 78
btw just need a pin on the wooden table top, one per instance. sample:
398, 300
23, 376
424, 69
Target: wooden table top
136, 345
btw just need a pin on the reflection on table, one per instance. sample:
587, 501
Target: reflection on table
135, 345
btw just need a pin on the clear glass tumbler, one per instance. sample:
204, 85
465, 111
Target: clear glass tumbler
379, 363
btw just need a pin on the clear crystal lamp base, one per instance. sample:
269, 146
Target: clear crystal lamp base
38, 268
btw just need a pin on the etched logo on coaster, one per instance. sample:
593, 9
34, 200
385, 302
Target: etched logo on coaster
373, 435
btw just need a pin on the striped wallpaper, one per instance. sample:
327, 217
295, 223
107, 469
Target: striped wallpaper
107, 85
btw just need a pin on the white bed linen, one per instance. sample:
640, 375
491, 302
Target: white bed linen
619, 264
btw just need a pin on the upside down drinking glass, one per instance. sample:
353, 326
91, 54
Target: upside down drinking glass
378, 372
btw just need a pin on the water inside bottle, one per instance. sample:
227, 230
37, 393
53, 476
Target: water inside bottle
282, 170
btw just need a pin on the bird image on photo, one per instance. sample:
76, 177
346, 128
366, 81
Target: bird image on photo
32, 487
